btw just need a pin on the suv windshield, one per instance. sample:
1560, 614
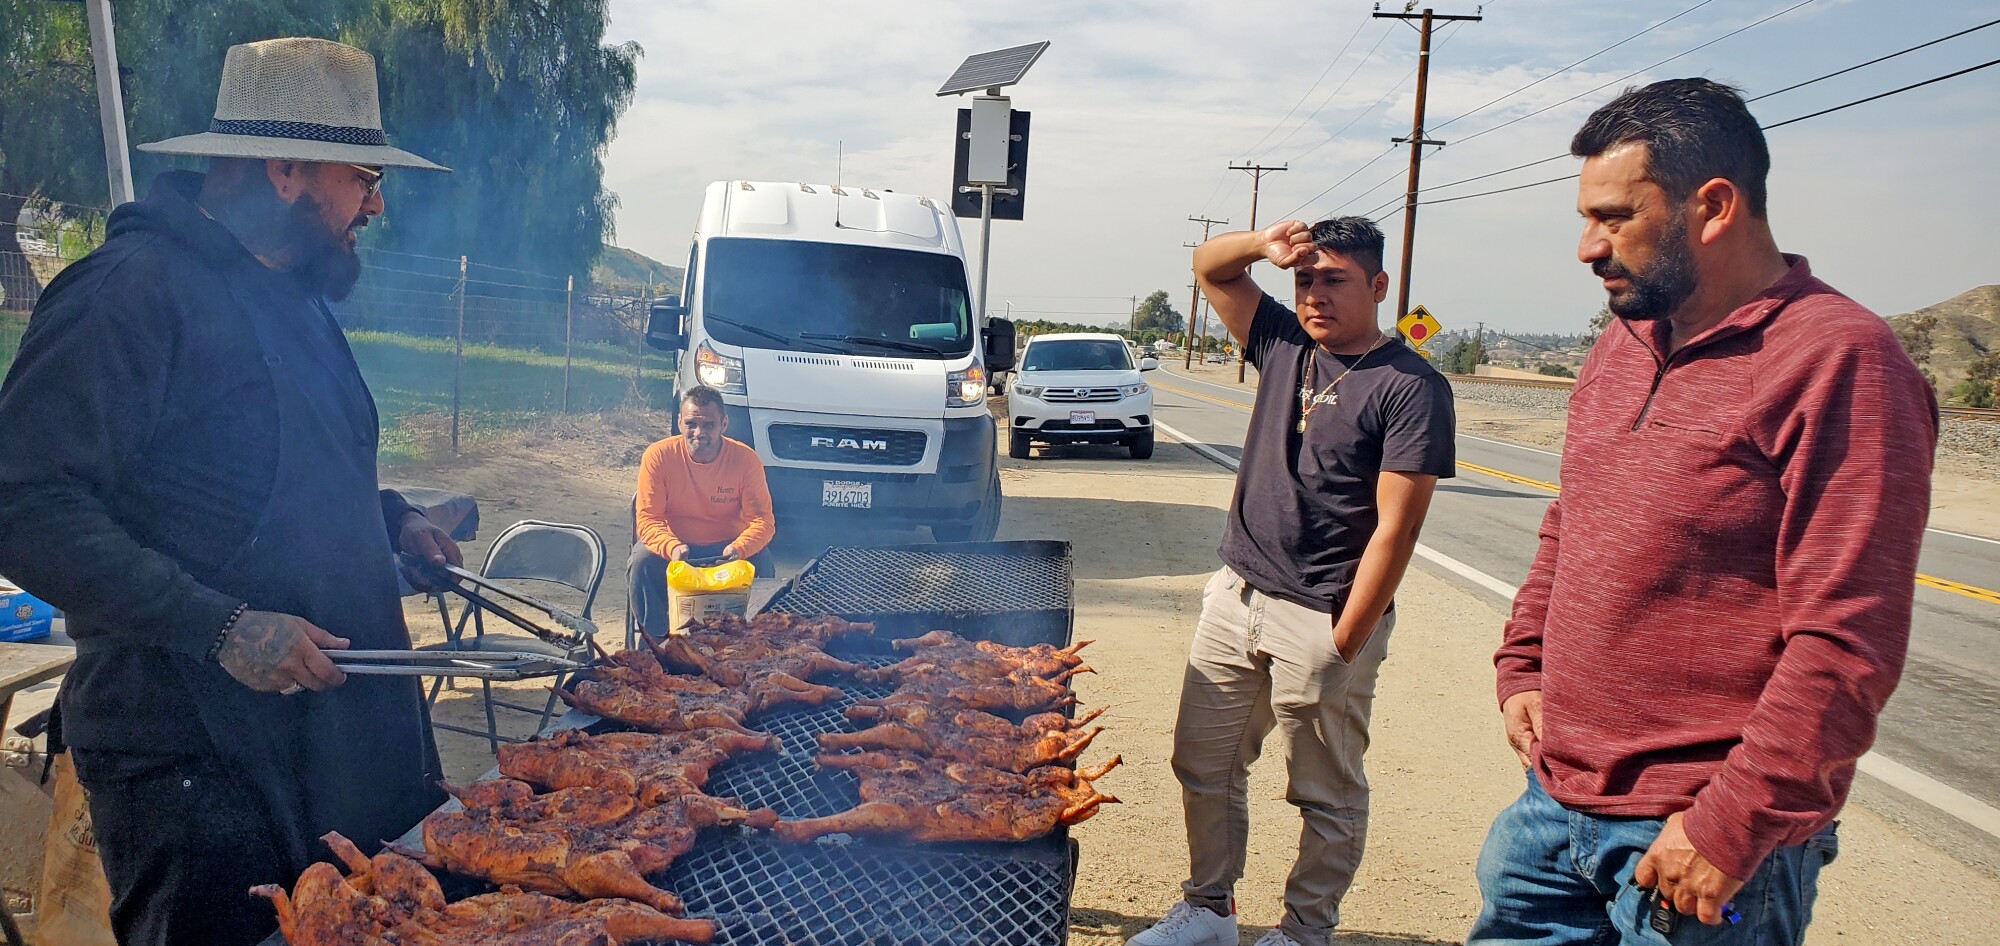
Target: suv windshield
1077, 355
859, 299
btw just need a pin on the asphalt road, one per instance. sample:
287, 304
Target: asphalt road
1936, 764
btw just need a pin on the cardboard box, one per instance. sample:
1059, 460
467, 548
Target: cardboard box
23, 617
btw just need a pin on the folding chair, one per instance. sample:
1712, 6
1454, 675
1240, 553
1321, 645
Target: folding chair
558, 553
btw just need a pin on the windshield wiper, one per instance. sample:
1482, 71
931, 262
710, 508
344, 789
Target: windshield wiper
764, 332
877, 342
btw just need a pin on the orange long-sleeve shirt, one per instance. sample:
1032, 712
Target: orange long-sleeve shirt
687, 503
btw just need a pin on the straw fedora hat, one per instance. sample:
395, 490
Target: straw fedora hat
296, 100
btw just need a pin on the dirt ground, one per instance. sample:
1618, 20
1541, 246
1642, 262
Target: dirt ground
1144, 535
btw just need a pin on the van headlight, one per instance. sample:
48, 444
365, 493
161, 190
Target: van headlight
1134, 390
718, 371
1029, 390
965, 388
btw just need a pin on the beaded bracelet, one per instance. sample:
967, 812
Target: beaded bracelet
227, 626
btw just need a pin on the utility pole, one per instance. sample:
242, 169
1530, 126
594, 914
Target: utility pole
1257, 172
1416, 140
1194, 300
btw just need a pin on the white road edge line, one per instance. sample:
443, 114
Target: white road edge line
1961, 535
1896, 775
1517, 446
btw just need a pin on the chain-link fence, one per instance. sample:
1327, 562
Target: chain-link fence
451, 348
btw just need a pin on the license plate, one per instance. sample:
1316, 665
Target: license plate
1083, 417
846, 494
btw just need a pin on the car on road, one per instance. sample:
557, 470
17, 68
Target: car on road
1080, 388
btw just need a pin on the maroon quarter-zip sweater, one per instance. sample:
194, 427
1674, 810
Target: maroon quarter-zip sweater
1720, 603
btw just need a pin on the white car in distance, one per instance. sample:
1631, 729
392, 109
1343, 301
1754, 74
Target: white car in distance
1080, 388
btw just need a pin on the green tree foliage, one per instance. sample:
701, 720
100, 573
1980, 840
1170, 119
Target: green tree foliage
1598, 323
519, 97
1556, 371
1919, 338
1462, 357
51, 146
1981, 387
1156, 315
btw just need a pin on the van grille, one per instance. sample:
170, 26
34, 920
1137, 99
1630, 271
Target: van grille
851, 445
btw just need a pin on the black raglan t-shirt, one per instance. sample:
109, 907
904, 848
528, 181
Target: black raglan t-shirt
1305, 503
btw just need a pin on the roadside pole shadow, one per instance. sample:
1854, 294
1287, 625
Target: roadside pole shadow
1489, 492
1107, 924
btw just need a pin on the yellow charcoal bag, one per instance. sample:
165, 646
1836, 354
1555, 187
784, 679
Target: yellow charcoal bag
695, 593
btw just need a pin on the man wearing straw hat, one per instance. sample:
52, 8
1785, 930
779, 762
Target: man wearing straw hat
190, 475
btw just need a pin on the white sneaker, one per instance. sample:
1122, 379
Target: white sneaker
1189, 925
1275, 938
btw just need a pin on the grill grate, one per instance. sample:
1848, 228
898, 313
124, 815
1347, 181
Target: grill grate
790, 782
868, 893
891, 581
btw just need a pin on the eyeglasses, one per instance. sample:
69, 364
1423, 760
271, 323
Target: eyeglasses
371, 184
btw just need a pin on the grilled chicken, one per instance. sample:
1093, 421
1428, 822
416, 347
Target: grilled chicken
979, 659
736, 652
966, 736
590, 842
915, 798
635, 689
1016, 692
392, 899
653, 768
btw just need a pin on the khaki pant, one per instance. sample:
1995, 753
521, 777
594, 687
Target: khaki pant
1259, 663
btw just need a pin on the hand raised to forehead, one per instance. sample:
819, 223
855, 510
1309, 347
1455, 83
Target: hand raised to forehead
1287, 244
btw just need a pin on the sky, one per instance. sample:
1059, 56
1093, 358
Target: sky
1139, 108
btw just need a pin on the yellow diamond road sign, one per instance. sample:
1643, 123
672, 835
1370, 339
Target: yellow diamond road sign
1418, 326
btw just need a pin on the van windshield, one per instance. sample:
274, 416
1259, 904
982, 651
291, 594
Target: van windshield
859, 299
1077, 355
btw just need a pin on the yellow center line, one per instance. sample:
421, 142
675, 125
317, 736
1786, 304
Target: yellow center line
1974, 592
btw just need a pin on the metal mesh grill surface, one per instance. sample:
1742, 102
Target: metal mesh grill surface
790, 782
888, 581
867, 893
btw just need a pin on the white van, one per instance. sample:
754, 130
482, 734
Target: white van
838, 326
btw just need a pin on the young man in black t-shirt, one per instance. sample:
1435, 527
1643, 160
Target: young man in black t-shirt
1350, 434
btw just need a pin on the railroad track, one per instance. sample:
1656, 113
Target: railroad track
1987, 414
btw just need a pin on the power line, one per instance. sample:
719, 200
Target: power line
1775, 125
1580, 62
1358, 27
1445, 38
1629, 75
1330, 96
1758, 98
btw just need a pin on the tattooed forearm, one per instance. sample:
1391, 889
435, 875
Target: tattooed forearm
272, 652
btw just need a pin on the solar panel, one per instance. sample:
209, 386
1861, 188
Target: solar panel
1001, 67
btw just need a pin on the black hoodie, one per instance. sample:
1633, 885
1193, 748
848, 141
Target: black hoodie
140, 435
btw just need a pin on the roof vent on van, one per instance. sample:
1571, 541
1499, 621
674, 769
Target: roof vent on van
745, 185
807, 188
871, 195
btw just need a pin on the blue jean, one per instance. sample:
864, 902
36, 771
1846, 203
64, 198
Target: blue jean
1549, 876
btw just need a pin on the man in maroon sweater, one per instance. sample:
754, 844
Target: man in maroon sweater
1720, 603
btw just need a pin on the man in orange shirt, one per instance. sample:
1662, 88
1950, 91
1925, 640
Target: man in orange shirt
701, 497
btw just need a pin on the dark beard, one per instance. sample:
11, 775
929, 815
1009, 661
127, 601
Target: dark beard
1659, 291
320, 260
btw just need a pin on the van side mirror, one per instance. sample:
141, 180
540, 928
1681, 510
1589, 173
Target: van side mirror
665, 325
999, 345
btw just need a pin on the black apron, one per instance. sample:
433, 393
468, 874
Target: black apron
359, 758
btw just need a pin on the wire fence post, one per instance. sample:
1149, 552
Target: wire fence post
458, 356
569, 337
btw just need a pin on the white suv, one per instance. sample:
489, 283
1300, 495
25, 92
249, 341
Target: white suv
1080, 389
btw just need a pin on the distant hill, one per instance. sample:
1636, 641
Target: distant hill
1968, 326
623, 270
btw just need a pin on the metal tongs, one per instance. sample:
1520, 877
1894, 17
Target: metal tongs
577, 629
486, 665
